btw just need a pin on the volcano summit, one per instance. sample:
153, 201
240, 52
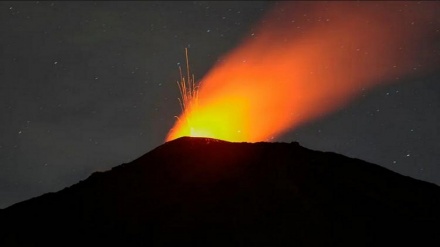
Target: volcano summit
206, 192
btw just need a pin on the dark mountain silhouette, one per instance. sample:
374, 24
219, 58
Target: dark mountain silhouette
206, 192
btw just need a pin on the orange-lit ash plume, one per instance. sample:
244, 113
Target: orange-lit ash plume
305, 60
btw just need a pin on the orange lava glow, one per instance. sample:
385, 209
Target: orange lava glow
303, 61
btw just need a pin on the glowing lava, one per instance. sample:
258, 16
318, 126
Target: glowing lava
306, 60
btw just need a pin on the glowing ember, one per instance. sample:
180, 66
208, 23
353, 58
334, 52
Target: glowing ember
189, 94
298, 67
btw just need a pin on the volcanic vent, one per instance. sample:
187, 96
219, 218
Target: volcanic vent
206, 192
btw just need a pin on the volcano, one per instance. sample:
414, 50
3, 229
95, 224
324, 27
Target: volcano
207, 192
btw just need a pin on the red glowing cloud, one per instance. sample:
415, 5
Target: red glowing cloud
306, 60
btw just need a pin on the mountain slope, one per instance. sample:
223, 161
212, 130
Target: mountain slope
208, 192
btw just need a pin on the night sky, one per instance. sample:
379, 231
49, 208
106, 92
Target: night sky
86, 86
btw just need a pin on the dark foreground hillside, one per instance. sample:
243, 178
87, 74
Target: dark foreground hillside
205, 192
